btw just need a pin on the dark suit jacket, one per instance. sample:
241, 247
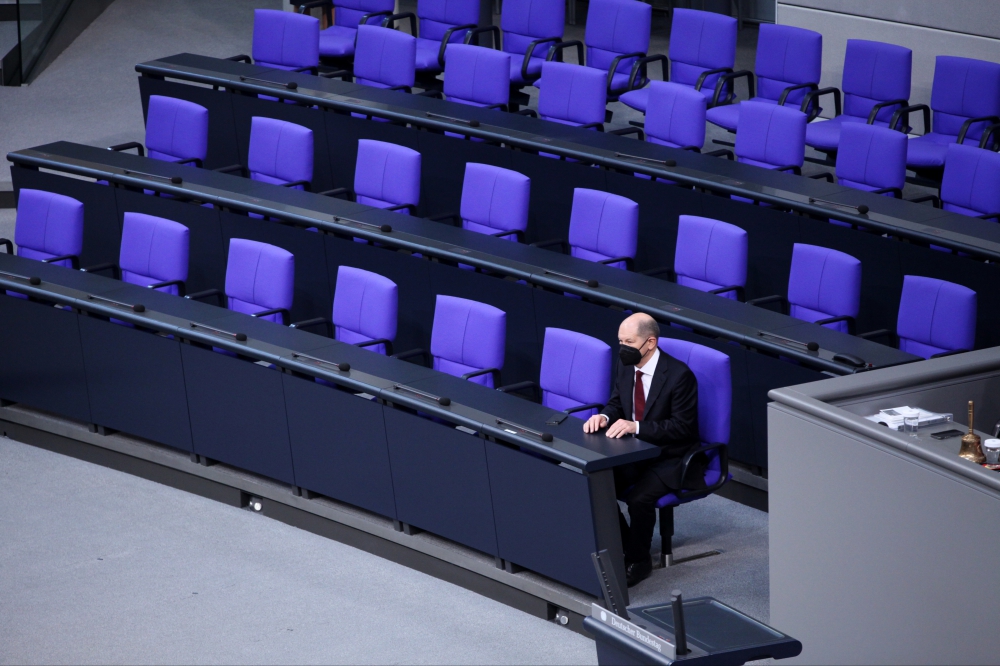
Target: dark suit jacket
670, 420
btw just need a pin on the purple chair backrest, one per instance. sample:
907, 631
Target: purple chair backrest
348, 13
153, 250
524, 21
603, 226
280, 152
259, 277
875, 72
700, 41
571, 94
871, 157
365, 306
787, 56
935, 316
964, 88
675, 115
468, 336
285, 40
476, 75
576, 370
386, 175
823, 283
384, 58
710, 254
715, 393
494, 199
971, 183
436, 16
176, 129
770, 136
616, 27
48, 225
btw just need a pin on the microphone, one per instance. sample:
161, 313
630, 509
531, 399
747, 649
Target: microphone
176, 180
291, 85
138, 307
444, 402
34, 281
473, 123
863, 209
546, 437
241, 337
812, 346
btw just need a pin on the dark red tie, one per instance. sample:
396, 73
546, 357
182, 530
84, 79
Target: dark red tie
639, 397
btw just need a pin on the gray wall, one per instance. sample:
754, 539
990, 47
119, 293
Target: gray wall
969, 28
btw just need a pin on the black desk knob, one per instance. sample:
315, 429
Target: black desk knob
863, 209
592, 284
34, 281
546, 437
291, 85
241, 337
344, 367
176, 180
444, 402
812, 346
385, 228
139, 307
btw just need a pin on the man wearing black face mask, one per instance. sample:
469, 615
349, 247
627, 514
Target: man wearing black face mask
655, 398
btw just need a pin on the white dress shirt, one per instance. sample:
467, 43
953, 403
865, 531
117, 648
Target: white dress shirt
647, 371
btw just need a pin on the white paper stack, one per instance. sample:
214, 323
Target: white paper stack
893, 418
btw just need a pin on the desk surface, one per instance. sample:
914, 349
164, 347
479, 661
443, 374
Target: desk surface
472, 405
754, 327
921, 222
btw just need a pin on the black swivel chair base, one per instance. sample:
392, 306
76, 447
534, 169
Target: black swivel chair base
667, 558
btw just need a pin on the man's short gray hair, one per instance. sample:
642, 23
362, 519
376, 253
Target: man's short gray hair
648, 328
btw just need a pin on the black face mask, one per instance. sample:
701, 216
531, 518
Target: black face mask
629, 355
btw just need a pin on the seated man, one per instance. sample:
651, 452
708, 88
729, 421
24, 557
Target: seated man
655, 398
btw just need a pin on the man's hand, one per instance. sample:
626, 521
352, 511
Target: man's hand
620, 428
593, 424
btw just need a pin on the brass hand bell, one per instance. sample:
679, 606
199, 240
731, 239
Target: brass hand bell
971, 446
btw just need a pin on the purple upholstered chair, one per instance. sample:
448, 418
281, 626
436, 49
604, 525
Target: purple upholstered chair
467, 339
965, 99
702, 49
285, 40
936, 318
442, 22
971, 183
572, 95
477, 76
495, 201
338, 41
154, 253
771, 136
715, 399
872, 158
529, 27
675, 116
364, 309
387, 176
711, 256
48, 228
876, 83
385, 58
176, 130
281, 153
788, 65
603, 228
260, 280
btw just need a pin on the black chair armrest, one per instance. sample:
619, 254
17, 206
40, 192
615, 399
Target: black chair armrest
405, 89
989, 216
528, 52
882, 332
825, 175
337, 190
74, 260
723, 152
613, 67
554, 241
741, 294
723, 466
949, 353
472, 37
707, 73
447, 38
593, 405
522, 386
364, 19
765, 300
531, 113
516, 232
129, 146
108, 265
671, 275
557, 49
796, 169
896, 192
201, 295
494, 372
192, 160
629, 262
313, 4
241, 58
597, 126
881, 105
285, 314
642, 65
308, 68
851, 323
904, 114
341, 74
969, 123
410, 207
816, 94
625, 131
729, 78
306, 185
181, 287
233, 168
7, 244
390, 20
790, 89
434, 94
402, 356
378, 341
454, 217
315, 321
933, 198
985, 139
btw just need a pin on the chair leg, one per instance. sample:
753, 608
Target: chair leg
666, 536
